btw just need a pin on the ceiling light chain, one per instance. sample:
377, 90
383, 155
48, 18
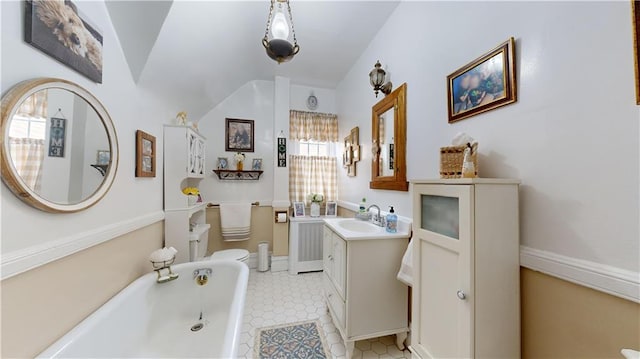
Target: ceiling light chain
293, 30
266, 31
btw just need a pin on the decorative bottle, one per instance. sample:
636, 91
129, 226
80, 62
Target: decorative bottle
468, 168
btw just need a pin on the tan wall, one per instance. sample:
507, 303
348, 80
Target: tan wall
566, 320
41, 305
280, 234
343, 212
261, 230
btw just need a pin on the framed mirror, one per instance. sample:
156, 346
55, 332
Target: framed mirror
59, 145
389, 139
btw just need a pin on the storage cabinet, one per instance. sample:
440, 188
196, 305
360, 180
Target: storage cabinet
184, 166
466, 301
363, 295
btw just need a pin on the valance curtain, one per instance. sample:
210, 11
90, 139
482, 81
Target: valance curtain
313, 126
312, 174
34, 105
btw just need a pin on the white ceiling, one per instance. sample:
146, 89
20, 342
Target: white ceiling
205, 50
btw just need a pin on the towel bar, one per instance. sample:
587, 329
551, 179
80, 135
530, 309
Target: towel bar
211, 205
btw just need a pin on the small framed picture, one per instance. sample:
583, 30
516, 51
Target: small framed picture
256, 165
103, 157
298, 209
223, 163
145, 154
331, 210
239, 135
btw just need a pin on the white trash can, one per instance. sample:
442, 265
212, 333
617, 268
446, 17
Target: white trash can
263, 256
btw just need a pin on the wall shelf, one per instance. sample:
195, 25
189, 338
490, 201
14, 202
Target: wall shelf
101, 168
234, 175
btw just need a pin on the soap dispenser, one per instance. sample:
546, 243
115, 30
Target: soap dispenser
363, 206
392, 221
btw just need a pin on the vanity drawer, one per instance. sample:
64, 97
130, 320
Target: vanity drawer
334, 301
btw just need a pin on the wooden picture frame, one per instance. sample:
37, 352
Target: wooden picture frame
635, 25
484, 84
239, 135
298, 209
145, 154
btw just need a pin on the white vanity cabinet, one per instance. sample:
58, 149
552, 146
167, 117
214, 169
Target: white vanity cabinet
363, 295
466, 291
184, 166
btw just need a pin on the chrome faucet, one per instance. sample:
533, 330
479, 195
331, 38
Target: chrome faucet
376, 218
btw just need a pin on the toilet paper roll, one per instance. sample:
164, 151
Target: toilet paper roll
282, 218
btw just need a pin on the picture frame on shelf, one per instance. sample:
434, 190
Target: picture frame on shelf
103, 157
239, 135
145, 154
256, 164
223, 163
298, 209
484, 84
331, 210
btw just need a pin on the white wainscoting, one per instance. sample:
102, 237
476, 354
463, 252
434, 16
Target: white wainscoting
612, 280
20, 261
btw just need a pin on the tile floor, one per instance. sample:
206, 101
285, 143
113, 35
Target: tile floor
280, 298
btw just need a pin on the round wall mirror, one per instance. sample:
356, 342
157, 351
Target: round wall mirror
59, 145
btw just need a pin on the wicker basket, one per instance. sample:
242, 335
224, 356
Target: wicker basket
451, 159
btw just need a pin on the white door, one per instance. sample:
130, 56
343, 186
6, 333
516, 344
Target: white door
443, 287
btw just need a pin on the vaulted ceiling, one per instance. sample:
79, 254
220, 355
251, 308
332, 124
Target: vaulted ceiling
199, 52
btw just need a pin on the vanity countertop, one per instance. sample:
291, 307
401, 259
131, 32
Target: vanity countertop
354, 229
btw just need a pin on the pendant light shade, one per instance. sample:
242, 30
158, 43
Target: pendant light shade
278, 44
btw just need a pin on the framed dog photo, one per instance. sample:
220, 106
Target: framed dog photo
239, 135
484, 84
298, 209
331, 210
59, 30
145, 154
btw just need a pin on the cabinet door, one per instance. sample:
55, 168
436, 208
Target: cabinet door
339, 264
327, 252
443, 268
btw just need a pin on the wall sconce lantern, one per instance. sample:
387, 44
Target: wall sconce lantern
377, 78
279, 48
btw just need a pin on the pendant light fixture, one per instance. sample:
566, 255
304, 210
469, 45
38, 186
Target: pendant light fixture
276, 37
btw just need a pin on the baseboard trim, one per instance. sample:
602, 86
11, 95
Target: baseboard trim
20, 261
279, 263
611, 280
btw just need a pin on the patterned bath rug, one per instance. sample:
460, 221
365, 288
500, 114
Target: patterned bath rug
291, 340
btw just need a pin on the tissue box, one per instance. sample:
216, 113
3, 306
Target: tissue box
451, 159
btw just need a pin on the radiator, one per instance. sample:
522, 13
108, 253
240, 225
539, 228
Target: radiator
305, 245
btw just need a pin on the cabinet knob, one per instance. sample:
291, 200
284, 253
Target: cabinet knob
461, 295
330, 257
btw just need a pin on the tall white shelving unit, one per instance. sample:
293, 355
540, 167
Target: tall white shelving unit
184, 166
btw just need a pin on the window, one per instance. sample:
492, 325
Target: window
28, 127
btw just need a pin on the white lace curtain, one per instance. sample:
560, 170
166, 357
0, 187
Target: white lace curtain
313, 174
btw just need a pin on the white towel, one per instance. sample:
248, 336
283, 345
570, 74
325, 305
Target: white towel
630, 353
405, 274
235, 221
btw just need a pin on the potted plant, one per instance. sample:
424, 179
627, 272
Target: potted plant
316, 199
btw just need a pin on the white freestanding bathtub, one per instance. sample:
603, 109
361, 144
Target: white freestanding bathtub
153, 320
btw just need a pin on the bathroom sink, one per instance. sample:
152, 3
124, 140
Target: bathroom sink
359, 226
354, 229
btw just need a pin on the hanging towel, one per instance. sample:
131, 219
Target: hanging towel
235, 221
405, 274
